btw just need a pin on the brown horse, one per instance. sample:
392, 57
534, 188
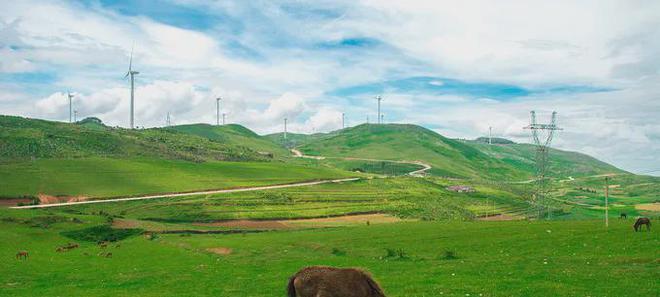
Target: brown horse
22, 254
623, 216
320, 281
640, 222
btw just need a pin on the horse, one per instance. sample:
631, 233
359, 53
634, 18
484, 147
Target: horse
640, 222
322, 281
623, 216
22, 254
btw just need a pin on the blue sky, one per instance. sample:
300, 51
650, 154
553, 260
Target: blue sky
457, 69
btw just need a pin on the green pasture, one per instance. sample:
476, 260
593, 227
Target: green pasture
110, 177
517, 258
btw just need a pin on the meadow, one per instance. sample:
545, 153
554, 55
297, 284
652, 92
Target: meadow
110, 177
455, 258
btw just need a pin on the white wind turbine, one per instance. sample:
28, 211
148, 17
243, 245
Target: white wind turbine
132, 74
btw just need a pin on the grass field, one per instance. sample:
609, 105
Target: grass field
109, 177
518, 258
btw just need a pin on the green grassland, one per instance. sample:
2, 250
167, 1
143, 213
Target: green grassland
24, 139
110, 177
414, 198
518, 258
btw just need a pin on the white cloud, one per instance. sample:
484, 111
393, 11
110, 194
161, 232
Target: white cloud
284, 71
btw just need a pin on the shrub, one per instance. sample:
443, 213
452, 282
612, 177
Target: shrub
449, 255
395, 254
338, 252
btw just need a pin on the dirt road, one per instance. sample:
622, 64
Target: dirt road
299, 154
302, 184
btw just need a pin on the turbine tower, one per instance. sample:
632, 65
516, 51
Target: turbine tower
542, 135
490, 135
379, 98
343, 120
223, 118
217, 111
75, 116
70, 105
132, 74
285, 119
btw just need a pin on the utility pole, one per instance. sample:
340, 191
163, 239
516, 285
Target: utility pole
379, 98
70, 105
490, 135
607, 194
542, 147
223, 118
217, 111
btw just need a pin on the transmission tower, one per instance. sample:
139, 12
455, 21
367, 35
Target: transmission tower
542, 135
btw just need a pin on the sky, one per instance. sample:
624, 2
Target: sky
456, 67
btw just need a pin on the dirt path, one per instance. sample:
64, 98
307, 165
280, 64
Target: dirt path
420, 172
302, 184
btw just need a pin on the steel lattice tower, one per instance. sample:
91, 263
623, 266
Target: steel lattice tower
542, 135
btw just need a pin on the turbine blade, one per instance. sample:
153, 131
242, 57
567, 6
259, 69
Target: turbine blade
130, 61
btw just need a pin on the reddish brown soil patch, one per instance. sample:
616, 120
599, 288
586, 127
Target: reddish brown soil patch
124, 224
48, 199
247, 224
316, 222
13, 202
371, 218
648, 206
500, 217
220, 250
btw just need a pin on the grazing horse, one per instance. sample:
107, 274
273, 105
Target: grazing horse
22, 255
623, 216
320, 281
640, 222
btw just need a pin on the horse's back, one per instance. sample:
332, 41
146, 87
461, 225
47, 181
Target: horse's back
320, 281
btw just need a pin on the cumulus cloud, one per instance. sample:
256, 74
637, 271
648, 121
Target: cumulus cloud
282, 59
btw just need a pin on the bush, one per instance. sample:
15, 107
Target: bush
449, 255
338, 252
395, 254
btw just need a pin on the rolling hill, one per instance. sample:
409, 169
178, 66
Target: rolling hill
449, 157
22, 138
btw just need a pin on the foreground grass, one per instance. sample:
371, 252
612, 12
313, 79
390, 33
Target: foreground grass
560, 258
109, 177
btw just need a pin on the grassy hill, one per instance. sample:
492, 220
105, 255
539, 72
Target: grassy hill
449, 157
294, 139
560, 163
410, 142
235, 135
22, 138
93, 160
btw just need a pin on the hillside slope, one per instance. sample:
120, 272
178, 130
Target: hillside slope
560, 163
22, 138
233, 134
449, 157
410, 142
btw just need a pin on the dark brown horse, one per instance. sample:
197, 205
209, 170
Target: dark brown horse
320, 281
640, 222
22, 254
623, 216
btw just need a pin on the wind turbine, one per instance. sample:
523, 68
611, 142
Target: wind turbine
217, 111
132, 74
70, 105
379, 98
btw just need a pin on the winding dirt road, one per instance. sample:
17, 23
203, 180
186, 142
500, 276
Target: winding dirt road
420, 172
